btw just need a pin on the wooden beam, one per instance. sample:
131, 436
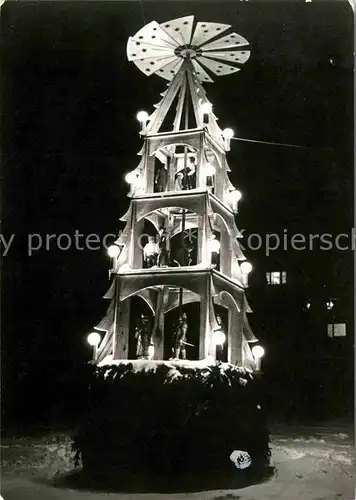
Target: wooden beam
205, 329
135, 253
213, 128
201, 177
195, 100
230, 329
178, 117
122, 328
150, 173
225, 249
236, 339
158, 329
162, 111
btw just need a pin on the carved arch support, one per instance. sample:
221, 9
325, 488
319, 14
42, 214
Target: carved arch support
184, 138
131, 284
194, 202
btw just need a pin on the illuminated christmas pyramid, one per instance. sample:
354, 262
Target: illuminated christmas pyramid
182, 189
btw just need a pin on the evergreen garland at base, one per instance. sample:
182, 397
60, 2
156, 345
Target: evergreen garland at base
172, 423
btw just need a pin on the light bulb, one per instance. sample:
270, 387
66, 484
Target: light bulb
219, 337
209, 170
228, 133
258, 351
94, 339
142, 116
113, 251
214, 245
131, 177
236, 195
246, 267
206, 107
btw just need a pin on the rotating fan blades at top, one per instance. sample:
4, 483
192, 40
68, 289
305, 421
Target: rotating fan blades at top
162, 49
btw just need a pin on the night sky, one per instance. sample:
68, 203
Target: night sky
69, 135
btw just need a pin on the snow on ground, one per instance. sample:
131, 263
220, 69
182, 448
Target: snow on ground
307, 468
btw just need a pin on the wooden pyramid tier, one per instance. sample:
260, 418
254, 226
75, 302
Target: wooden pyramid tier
178, 290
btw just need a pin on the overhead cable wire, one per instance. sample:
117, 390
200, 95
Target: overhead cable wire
280, 144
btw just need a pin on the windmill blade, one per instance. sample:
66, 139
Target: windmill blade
206, 31
138, 50
227, 42
218, 68
171, 69
179, 29
201, 73
153, 33
162, 49
239, 56
150, 66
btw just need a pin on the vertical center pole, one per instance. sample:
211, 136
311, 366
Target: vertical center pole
186, 126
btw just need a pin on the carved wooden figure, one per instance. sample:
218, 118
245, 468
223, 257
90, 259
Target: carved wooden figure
143, 337
180, 337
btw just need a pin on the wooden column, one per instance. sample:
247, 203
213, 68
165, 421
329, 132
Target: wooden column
135, 256
205, 339
150, 173
235, 337
121, 326
225, 249
158, 329
172, 173
230, 333
200, 175
219, 179
203, 254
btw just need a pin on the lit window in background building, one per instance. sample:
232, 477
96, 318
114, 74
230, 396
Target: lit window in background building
330, 304
276, 277
337, 330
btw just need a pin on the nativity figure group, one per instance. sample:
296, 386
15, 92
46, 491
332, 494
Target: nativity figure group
143, 336
184, 179
156, 253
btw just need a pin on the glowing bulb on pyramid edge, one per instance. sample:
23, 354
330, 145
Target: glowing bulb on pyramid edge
113, 251
219, 337
228, 133
142, 116
206, 107
94, 339
214, 245
258, 351
246, 267
131, 177
236, 195
209, 170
